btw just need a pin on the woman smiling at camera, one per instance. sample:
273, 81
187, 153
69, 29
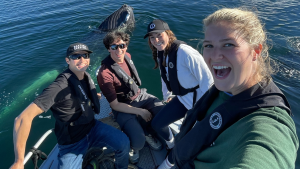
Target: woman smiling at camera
184, 75
243, 120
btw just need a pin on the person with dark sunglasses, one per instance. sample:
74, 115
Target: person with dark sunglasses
115, 47
78, 56
132, 107
73, 100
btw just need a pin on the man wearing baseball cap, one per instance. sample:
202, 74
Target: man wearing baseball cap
73, 100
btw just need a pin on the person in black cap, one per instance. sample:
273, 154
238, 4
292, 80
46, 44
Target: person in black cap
184, 74
73, 100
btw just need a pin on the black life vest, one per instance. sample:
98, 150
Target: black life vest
194, 138
172, 81
89, 106
130, 85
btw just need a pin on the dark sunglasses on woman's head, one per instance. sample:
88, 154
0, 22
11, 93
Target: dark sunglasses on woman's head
115, 47
78, 56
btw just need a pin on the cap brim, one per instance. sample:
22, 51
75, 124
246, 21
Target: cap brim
89, 51
155, 31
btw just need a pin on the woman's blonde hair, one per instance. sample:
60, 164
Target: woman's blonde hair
172, 38
250, 28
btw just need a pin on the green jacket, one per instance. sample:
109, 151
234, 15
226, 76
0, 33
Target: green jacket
265, 139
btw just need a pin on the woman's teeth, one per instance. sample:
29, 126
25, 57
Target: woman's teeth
220, 67
221, 71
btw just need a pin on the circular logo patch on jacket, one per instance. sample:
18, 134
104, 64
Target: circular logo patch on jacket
152, 26
215, 120
171, 65
130, 81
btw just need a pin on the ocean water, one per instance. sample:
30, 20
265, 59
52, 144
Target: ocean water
34, 36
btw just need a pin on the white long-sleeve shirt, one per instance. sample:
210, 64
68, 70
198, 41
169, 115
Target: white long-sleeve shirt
191, 71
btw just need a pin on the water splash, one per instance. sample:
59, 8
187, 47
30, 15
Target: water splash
287, 71
3, 131
45, 117
293, 43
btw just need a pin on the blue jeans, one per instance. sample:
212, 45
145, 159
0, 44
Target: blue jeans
101, 135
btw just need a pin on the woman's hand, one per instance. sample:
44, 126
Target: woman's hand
169, 99
146, 115
99, 95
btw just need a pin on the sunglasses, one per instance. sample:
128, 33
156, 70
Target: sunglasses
78, 56
115, 47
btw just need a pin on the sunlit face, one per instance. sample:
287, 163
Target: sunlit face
159, 40
79, 65
229, 57
118, 54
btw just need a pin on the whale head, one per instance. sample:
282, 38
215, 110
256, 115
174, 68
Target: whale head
120, 19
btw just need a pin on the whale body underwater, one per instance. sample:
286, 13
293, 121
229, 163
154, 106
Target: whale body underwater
122, 19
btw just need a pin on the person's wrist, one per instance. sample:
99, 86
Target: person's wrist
172, 96
139, 112
19, 160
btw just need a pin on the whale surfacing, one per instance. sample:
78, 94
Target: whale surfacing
121, 18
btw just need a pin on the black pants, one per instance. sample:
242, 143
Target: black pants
135, 127
173, 111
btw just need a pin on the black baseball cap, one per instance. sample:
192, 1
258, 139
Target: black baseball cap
76, 47
157, 26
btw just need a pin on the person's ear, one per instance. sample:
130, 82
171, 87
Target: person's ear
67, 60
257, 51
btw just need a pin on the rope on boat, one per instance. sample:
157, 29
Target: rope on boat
30, 153
37, 155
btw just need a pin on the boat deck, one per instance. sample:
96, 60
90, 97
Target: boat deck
149, 158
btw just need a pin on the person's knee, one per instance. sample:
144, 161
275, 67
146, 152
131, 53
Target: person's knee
69, 161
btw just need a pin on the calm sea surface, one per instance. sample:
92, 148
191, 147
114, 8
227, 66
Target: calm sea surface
34, 36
